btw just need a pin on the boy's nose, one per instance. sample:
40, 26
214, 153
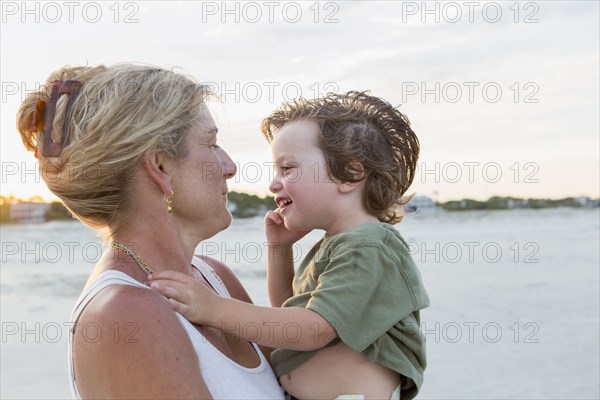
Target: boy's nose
275, 186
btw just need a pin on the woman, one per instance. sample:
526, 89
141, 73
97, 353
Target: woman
131, 151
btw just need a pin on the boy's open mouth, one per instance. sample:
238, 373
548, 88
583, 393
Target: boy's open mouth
282, 203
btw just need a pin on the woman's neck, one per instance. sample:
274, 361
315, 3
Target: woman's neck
161, 249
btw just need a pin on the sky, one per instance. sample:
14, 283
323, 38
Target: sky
504, 96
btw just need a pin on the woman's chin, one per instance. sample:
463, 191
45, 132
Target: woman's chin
229, 219
217, 223
225, 220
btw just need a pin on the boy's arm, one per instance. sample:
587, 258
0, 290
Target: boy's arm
234, 287
294, 328
280, 274
280, 266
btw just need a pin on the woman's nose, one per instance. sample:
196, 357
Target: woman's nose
229, 167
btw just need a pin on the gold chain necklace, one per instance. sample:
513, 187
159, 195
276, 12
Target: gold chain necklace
125, 249
141, 263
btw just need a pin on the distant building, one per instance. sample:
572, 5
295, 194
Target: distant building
422, 203
585, 201
517, 203
26, 213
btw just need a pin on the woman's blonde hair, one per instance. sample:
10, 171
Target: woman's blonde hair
120, 113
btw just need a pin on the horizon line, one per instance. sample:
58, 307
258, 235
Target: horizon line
7, 199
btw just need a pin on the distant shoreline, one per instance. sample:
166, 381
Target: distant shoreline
510, 203
243, 206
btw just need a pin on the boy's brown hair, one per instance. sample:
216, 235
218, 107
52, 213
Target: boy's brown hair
362, 137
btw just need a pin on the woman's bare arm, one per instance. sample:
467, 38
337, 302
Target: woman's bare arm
129, 344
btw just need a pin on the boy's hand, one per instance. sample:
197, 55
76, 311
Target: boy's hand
191, 298
277, 234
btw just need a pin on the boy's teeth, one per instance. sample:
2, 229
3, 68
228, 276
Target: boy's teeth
283, 203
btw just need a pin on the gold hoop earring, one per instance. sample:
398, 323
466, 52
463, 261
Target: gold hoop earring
169, 202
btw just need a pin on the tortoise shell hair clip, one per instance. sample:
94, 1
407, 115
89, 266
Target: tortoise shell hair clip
43, 117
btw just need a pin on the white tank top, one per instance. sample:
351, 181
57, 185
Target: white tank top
224, 378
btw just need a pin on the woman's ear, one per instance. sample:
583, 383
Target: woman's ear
157, 166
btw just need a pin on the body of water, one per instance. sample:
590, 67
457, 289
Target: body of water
514, 300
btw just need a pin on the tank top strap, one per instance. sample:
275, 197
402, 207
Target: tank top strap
105, 279
211, 276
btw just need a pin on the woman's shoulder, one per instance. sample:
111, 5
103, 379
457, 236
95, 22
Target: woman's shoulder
112, 292
128, 314
126, 300
129, 334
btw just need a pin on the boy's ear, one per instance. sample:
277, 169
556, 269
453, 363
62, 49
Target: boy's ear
347, 187
358, 172
157, 166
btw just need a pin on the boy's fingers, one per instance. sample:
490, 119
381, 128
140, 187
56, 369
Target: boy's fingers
167, 283
180, 307
275, 217
169, 289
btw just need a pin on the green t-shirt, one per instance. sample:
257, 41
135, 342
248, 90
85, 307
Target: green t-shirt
366, 285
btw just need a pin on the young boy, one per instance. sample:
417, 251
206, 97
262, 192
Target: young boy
347, 322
